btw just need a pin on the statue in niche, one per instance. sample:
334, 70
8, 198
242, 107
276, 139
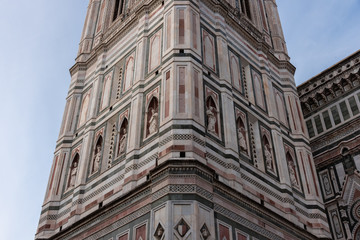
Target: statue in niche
291, 168
211, 119
96, 163
242, 141
153, 121
73, 174
123, 141
268, 157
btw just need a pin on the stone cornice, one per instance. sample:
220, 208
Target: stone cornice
334, 74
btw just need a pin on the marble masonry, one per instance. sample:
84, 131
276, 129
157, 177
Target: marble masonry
331, 103
183, 121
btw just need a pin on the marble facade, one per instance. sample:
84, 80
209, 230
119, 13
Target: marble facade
176, 127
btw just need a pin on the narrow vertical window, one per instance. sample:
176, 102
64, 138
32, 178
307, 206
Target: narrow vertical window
327, 120
292, 113
318, 124
116, 9
182, 100
181, 26
335, 114
167, 94
353, 106
245, 8
344, 110
121, 7
310, 128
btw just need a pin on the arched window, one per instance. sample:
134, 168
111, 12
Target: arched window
123, 137
95, 165
73, 171
212, 116
152, 117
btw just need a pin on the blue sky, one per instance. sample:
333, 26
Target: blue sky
38, 44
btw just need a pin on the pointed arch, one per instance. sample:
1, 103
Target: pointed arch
155, 54
209, 51
84, 109
280, 108
258, 90
123, 137
106, 91
129, 73
235, 72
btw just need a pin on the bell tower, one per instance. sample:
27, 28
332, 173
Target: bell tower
182, 121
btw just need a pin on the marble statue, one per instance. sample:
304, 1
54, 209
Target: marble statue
73, 174
268, 158
97, 158
123, 141
241, 136
153, 122
211, 119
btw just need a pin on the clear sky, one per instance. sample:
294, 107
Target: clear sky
38, 44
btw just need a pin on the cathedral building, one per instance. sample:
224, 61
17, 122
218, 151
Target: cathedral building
183, 121
331, 106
